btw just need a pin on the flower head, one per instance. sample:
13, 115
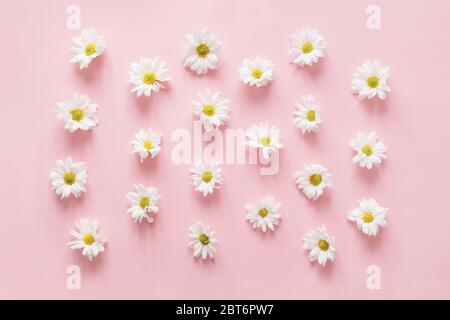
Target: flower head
321, 246
370, 80
145, 143
86, 238
313, 180
77, 113
264, 214
148, 76
257, 72
369, 216
206, 176
203, 241
307, 46
143, 202
201, 51
68, 178
265, 139
86, 48
211, 110
369, 150
308, 115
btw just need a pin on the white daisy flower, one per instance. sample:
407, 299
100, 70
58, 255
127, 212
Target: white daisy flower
211, 110
200, 51
371, 80
321, 246
307, 46
308, 115
203, 241
369, 216
77, 113
264, 214
256, 72
264, 138
147, 76
313, 180
69, 178
86, 238
206, 176
145, 143
143, 202
87, 47
369, 150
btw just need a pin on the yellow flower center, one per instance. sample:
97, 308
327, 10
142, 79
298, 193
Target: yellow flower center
367, 217
315, 179
311, 115
323, 245
69, 178
373, 81
307, 47
88, 239
202, 50
148, 144
204, 239
77, 114
207, 176
209, 110
263, 212
257, 73
149, 78
90, 49
145, 202
265, 141
367, 150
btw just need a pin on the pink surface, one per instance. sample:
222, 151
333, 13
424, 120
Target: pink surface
153, 261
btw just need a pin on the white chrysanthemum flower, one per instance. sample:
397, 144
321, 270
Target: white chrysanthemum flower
369, 216
264, 214
307, 46
87, 47
308, 115
147, 76
256, 72
369, 150
145, 143
201, 51
371, 80
77, 113
203, 241
143, 202
86, 238
206, 176
211, 110
264, 138
321, 246
68, 178
313, 180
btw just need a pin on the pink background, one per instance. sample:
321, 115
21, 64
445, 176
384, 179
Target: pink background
153, 261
